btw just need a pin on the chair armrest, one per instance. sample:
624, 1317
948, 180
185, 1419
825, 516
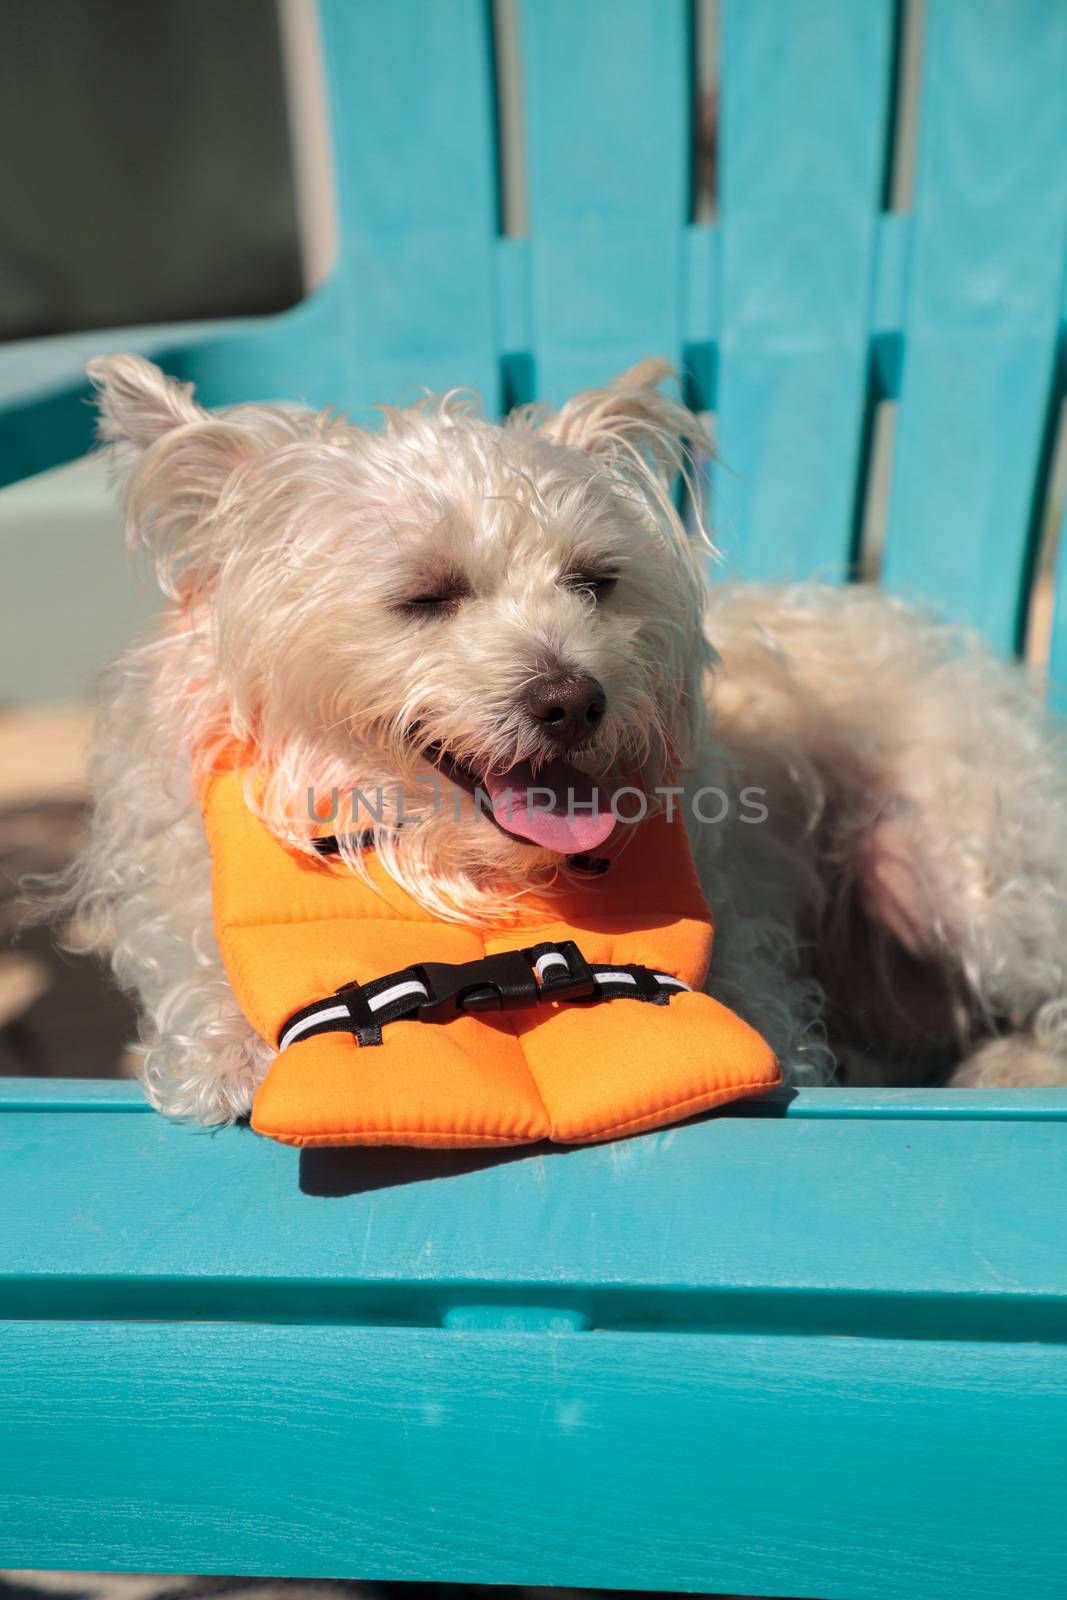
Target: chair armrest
45, 418
812, 1347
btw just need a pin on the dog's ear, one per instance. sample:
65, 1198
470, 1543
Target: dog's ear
175, 460
631, 425
138, 403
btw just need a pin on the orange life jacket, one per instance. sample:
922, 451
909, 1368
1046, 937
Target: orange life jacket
584, 1023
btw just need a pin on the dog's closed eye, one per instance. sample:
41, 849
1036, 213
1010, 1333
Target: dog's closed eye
438, 597
597, 583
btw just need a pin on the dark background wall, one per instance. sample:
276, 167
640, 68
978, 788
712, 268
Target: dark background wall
144, 163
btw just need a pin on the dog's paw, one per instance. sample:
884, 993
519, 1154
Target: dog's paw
1019, 1061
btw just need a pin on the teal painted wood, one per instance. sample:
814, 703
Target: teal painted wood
867, 1469
818, 1352
805, 98
606, 97
994, 1105
72, 1094
411, 303
413, 117
799, 276
984, 305
586, 1367
876, 1223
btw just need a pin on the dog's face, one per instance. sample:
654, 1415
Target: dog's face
442, 607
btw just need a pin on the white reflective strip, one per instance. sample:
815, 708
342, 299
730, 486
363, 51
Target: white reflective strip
549, 959
387, 996
328, 1014
628, 977
333, 1013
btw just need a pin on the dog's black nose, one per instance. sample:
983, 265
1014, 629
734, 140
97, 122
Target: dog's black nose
568, 708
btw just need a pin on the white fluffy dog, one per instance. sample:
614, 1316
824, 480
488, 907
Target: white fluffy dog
877, 806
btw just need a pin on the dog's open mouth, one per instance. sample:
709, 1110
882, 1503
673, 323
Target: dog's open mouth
557, 807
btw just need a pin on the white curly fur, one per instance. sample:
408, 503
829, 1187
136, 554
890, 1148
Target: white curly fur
908, 889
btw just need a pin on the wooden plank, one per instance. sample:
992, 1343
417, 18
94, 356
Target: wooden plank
935, 1226
805, 106
414, 135
410, 304
982, 1105
989, 242
72, 1095
607, 92
880, 1105
411, 108
864, 1469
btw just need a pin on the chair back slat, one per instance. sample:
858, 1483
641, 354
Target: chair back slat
983, 308
793, 313
607, 94
413, 117
806, 88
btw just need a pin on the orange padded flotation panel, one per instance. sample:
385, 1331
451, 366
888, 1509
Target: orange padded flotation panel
359, 1065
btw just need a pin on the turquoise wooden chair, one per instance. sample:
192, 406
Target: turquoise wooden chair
812, 1347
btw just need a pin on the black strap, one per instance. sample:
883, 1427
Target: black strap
595, 866
512, 980
330, 844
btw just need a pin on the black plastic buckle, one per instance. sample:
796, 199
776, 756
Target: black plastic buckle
503, 982
578, 983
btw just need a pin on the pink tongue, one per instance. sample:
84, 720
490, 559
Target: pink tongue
560, 809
